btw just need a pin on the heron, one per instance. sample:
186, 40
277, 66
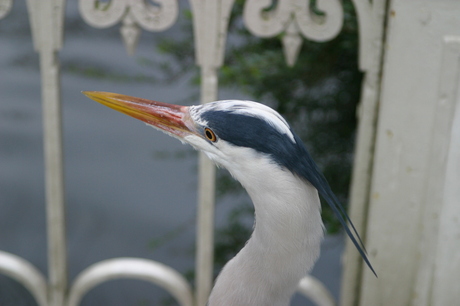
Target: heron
260, 150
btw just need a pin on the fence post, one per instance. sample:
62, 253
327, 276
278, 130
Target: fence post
210, 23
371, 18
47, 29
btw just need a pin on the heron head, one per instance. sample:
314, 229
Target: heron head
241, 136
231, 133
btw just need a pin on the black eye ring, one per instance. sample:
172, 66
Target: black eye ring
209, 134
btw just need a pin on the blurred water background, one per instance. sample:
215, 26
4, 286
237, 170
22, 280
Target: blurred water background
130, 190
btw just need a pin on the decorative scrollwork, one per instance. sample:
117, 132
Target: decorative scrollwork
102, 15
294, 17
152, 17
156, 16
5, 7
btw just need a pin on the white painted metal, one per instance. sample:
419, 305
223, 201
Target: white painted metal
292, 42
210, 22
439, 265
48, 30
420, 85
315, 290
447, 261
371, 18
134, 14
137, 268
25, 273
101, 14
293, 17
5, 7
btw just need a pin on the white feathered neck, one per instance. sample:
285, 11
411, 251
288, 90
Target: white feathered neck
286, 239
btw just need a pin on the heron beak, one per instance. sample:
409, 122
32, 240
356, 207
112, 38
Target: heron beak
172, 119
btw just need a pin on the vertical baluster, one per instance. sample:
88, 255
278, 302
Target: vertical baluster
206, 191
371, 17
54, 177
210, 22
47, 28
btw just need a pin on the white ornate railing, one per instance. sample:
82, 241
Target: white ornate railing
210, 22
294, 18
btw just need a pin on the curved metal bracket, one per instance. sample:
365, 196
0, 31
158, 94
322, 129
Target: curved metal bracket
135, 268
312, 288
5, 7
25, 273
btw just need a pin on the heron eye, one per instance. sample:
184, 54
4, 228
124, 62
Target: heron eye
210, 135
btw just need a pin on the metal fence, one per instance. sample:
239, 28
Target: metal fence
210, 21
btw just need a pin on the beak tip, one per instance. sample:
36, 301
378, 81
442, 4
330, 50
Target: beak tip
88, 93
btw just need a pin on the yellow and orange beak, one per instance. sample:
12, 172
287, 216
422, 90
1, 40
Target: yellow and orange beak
172, 119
